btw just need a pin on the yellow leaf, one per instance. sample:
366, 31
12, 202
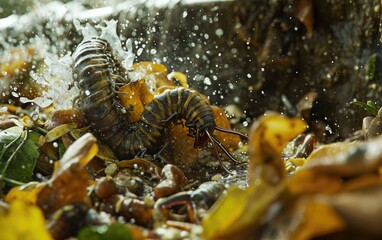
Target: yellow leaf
59, 131
79, 154
135, 96
70, 180
347, 159
268, 137
181, 147
319, 219
309, 181
239, 211
23, 221
180, 77
27, 193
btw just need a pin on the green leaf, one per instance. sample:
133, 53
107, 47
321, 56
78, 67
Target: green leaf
114, 232
370, 106
19, 154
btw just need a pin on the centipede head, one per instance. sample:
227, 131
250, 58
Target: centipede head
199, 133
201, 138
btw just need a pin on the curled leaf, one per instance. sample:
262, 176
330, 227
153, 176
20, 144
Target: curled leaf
268, 137
179, 77
59, 131
173, 180
347, 158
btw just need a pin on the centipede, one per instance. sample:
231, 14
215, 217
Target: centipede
98, 74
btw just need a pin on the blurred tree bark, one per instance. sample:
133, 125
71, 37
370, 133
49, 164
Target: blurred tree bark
330, 47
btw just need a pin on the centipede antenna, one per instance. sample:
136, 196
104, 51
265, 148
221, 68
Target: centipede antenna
224, 150
231, 131
217, 152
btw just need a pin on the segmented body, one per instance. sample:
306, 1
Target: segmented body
169, 107
97, 71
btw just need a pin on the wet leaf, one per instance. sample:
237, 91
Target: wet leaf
68, 183
18, 154
116, 231
65, 116
27, 193
135, 96
154, 74
181, 145
23, 221
239, 212
268, 137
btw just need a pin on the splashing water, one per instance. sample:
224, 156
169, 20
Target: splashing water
109, 33
57, 77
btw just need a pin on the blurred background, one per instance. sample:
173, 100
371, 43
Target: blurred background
250, 55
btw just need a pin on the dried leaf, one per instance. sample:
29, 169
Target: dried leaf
140, 164
70, 180
268, 137
172, 181
23, 221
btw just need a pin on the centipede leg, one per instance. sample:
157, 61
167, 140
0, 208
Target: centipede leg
141, 153
232, 132
217, 153
224, 149
158, 155
170, 119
